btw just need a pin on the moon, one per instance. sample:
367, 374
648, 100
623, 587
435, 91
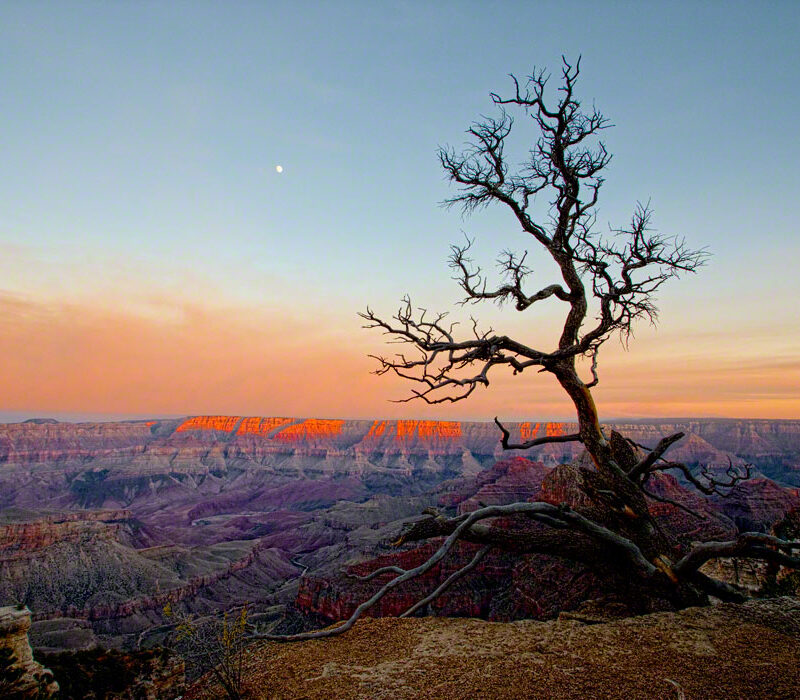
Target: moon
278, 168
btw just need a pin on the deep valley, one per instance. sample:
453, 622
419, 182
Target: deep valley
103, 524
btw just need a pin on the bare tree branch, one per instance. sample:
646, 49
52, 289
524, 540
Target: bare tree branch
624, 548
748, 545
574, 437
449, 581
472, 281
719, 589
377, 572
710, 484
647, 462
442, 361
595, 379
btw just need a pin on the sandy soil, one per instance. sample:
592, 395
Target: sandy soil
729, 651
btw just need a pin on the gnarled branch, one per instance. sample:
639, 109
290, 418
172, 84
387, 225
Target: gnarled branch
710, 484
449, 581
646, 463
572, 437
474, 284
624, 547
376, 573
748, 545
442, 363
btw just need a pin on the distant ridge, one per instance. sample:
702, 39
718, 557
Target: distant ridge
344, 447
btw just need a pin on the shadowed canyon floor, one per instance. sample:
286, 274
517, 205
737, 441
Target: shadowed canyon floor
728, 651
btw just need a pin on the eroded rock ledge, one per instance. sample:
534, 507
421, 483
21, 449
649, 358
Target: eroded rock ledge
14, 625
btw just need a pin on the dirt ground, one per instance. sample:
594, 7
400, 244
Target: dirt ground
728, 651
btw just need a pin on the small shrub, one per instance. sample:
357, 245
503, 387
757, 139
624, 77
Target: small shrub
213, 644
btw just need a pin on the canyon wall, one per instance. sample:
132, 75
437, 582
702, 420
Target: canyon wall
296, 446
108, 522
75, 566
20, 535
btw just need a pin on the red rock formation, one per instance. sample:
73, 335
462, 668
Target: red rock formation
224, 424
555, 429
528, 431
688, 528
242, 476
773, 446
310, 430
757, 504
562, 485
17, 539
336, 600
507, 481
263, 427
377, 429
504, 586
427, 430
501, 588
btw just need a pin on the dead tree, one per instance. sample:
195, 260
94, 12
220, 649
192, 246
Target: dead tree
605, 284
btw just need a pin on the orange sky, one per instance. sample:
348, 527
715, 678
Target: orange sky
190, 226
183, 358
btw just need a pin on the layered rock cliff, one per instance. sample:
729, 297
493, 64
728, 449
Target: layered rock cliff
76, 565
20, 535
292, 445
507, 481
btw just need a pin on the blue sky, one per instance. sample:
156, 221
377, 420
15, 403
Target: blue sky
139, 142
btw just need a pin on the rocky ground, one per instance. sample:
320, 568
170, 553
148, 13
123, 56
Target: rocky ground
727, 651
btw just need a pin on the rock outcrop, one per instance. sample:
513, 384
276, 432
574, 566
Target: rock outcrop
507, 481
20, 535
14, 625
108, 674
758, 503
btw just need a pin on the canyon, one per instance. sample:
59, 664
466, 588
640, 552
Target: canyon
211, 512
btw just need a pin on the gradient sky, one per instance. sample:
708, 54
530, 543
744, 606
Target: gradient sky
153, 262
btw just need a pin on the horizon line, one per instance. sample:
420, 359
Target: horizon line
18, 417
